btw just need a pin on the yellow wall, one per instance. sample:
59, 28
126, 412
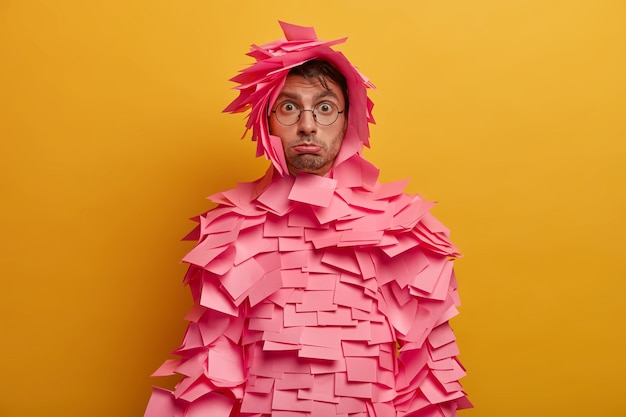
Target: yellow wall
510, 113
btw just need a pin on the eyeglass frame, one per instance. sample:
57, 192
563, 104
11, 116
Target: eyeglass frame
312, 112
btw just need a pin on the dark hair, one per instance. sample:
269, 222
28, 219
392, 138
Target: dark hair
320, 70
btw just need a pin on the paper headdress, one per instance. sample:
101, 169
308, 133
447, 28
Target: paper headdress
260, 84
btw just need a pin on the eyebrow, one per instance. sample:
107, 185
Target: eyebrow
293, 96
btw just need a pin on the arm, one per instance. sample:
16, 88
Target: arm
211, 357
427, 380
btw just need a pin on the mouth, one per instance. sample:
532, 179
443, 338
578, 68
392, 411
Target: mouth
307, 148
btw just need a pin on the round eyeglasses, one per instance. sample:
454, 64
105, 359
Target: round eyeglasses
325, 113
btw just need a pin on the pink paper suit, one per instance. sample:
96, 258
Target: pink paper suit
318, 297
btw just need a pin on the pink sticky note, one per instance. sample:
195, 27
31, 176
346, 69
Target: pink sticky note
359, 173
288, 400
222, 263
215, 240
212, 296
260, 385
293, 318
362, 331
320, 352
352, 296
296, 259
189, 389
161, 404
361, 369
202, 255
252, 221
195, 312
213, 326
287, 244
440, 292
361, 315
441, 335
363, 199
167, 368
313, 189
272, 325
326, 409
404, 243
281, 297
386, 377
385, 409
225, 362
445, 364
370, 286
412, 213
322, 238
446, 351
336, 209
302, 216
269, 284
388, 356
281, 413
322, 336
401, 295
317, 301
241, 277
401, 317
322, 282
349, 405
381, 333
192, 338
290, 335
251, 242
450, 375
453, 386
361, 349
328, 367
262, 311
255, 403
362, 236
434, 225
370, 221
341, 317
220, 219
390, 189
275, 197
345, 388
277, 346
448, 315
435, 393
295, 278
365, 263
269, 261
342, 260
278, 227
295, 32
295, 381
323, 390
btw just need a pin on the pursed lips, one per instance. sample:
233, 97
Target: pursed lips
307, 148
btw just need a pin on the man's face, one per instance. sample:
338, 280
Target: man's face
309, 147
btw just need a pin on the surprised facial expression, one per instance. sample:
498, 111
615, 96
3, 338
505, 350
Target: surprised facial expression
310, 146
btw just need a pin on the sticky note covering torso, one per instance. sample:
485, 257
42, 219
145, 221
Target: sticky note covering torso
318, 297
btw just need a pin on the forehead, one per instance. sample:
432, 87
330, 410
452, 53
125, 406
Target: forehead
299, 87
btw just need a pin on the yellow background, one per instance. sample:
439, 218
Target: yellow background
509, 113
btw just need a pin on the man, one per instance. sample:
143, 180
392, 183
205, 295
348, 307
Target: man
306, 118
318, 291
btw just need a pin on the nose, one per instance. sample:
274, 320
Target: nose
306, 123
